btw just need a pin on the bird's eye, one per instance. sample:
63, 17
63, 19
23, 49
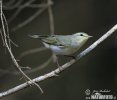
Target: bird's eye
81, 34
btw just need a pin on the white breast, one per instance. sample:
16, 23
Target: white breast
62, 51
59, 50
54, 48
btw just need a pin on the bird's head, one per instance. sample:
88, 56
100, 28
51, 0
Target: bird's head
81, 36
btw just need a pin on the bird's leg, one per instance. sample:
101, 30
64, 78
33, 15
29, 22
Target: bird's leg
57, 62
74, 57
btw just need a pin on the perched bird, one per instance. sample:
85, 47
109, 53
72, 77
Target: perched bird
63, 44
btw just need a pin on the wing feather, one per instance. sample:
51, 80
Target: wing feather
52, 40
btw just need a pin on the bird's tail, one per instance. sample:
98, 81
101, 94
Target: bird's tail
38, 36
34, 36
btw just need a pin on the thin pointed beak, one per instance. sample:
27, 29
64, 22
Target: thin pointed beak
90, 36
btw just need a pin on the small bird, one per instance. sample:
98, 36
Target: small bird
63, 44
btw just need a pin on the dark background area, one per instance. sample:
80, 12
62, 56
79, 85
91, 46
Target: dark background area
95, 71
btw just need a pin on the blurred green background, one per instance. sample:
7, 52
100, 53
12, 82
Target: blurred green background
95, 71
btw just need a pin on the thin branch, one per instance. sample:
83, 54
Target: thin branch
31, 51
40, 11
31, 18
7, 35
38, 5
40, 67
2, 37
51, 18
19, 10
7, 31
63, 67
10, 7
36, 69
9, 49
10, 2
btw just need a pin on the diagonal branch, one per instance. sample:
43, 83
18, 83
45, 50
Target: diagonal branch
63, 67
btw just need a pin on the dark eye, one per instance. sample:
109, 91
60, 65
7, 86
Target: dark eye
81, 34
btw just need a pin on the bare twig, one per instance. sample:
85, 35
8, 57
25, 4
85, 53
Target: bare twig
38, 5
36, 69
2, 37
38, 12
51, 18
63, 67
31, 51
7, 35
19, 10
10, 7
29, 19
8, 38
9, 49
40, 67
7, 31
25, 53
10, 2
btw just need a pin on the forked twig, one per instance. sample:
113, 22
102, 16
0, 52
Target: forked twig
6, 42
29, 19
37, 13
19, 10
